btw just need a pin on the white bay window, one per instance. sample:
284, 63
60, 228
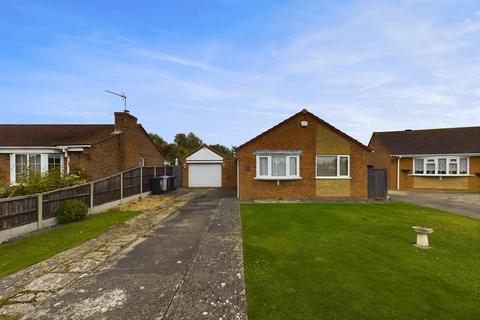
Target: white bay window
440, 166
278, 165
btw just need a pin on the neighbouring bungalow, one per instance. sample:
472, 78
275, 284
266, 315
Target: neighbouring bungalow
98, 149
434, 159
302, 157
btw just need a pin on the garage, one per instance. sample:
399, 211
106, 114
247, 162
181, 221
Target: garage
205, 175
204, 169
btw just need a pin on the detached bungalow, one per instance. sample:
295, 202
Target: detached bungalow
99, 149
434, 159
302, 157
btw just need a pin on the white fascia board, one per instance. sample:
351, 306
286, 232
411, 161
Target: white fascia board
204, 154
436, 155
204, 161
57, 149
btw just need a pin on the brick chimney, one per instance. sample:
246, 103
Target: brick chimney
124, 122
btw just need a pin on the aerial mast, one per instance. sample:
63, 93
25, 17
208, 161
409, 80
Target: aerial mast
123, 96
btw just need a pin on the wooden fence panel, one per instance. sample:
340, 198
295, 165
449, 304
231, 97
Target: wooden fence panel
18, 212
106, 190
147, 173
52, 200
131, 182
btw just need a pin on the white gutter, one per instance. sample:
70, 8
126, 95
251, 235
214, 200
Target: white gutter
436, 155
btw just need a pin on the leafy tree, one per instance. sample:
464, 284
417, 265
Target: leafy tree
228, 152
183, 144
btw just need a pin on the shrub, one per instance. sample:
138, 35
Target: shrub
38, 183
71, 211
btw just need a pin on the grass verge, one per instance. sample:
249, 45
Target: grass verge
37, 247
357, 261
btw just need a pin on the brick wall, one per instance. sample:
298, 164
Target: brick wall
229, 174
312, 140
4, 169
474, 180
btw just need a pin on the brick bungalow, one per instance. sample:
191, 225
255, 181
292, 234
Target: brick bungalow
99, 149
302, 157
435, 159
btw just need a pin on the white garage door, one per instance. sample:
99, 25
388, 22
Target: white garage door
205, 175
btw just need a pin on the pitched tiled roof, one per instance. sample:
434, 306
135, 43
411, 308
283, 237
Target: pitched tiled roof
305, 111
431, 141
46, 135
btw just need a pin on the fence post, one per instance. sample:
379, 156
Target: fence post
39, 211
91, 197
141, 181
121, 186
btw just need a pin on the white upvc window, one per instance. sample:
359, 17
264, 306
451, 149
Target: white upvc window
23, 163
277, 166
332, 167
441, 166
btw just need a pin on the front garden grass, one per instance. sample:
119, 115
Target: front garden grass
357, 261
24, 252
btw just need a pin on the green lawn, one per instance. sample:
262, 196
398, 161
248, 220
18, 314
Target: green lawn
357, 261
26, 251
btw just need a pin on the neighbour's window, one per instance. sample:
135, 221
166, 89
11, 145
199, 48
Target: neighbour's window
419, 166
445, 165
453, 166
34, 163
463, 166
21, 166
333, 166
442, 166
54, 162
430, 166
281, 165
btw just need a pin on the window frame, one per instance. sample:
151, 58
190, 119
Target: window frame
435, 159
338, 176
43, 163
269, 175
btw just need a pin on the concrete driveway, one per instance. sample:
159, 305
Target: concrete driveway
190, 267
467, 204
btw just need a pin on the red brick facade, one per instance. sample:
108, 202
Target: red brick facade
317, 138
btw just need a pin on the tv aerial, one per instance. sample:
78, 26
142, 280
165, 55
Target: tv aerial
123, 96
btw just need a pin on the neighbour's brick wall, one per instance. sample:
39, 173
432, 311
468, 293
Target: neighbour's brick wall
99, 161
312, 140
4, 169
435, 183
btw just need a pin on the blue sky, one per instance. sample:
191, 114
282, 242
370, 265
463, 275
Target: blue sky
227, 70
